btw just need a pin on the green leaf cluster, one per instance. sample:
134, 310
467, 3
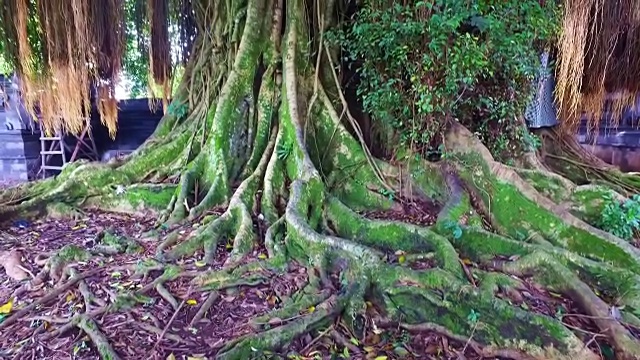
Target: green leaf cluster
422, 63
621, 219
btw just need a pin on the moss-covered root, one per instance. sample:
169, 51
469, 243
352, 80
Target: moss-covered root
259, 344
293, 307
392, 236
557, 277
226, 150
90, 328
57, 263
521, 210
472, 313
251, 274
484, 351
236, 221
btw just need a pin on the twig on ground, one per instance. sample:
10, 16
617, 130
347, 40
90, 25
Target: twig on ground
165, 294
316, 339
175, 314
54, 294
155, 330
340, 339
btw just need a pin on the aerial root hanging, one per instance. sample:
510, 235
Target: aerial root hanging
212, 164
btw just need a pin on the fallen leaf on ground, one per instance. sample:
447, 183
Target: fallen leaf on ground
6, 308
11, 261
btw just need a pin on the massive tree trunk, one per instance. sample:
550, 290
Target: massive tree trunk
256, 129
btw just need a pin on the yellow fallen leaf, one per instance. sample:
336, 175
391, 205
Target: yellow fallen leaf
467, 261
201, 264
381, 358
191, 302
70, 297
262, 256
6, 308
402, 259
311, 309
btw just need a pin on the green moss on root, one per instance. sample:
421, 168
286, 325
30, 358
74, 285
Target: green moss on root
462, 309
391, 236
587, 202
520, 215
549, 186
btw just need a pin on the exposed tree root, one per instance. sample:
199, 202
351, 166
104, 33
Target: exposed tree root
54, 294
566, 156
485, 351
97, 337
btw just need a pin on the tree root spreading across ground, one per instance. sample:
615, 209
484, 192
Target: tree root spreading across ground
263, 239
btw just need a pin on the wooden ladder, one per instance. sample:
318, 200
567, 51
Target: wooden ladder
56, 146
50, 146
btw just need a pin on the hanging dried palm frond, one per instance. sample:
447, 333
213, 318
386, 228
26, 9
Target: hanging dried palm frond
598, 56
107, 32
14, 20
64, 101
60, 50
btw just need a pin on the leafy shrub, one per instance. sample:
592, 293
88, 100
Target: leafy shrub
621, 219
421, 63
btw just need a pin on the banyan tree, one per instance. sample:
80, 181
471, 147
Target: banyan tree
303, 117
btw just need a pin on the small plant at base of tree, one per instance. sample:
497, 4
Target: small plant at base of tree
621, 219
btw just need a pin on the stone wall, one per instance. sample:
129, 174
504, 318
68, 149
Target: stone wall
19, 155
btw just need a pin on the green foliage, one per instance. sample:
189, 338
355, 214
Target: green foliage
424, 63
454, 228
178, 109
284, 150
387, 193
621, 219
473, 316
5, 66
530, 142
